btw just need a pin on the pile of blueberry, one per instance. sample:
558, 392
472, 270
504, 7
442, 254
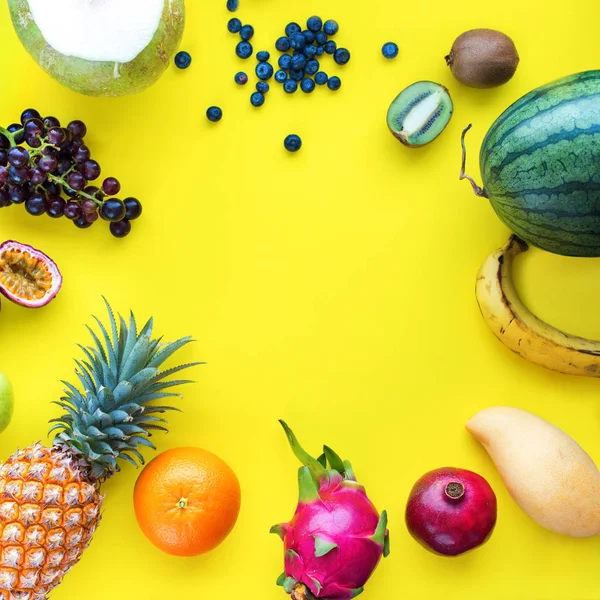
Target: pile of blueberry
298, 62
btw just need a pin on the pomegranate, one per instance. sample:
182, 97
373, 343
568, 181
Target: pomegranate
451, 511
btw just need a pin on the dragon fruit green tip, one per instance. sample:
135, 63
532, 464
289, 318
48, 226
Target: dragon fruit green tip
336, 538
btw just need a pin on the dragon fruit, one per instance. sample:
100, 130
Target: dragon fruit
336, 538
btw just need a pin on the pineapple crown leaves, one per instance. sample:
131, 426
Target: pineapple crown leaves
120, 377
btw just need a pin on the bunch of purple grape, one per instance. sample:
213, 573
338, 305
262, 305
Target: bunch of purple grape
51, 176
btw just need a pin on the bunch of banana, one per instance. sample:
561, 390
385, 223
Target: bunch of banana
519, 329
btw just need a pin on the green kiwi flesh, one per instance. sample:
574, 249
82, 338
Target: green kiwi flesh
420, 113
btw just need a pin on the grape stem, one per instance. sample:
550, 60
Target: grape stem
11, 136
61, 181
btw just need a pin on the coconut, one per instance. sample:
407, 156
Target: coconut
101, 47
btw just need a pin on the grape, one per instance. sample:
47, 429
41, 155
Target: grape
3, 158
51, 122
92, 190
20, 138
56, 136
56, 208
133, 208
77, 128
89, 206
3, 176
81, 223
69, 192
18, 157
81, 154
91, 170
64, 164
91, 217
29, 113
66, 146
35, 205
51, 189
37, 176
76, 181
33, 142
34, 127
112, 209
4, 199
47, 163
18, 193
4, 143
120, 228
49, 151
72, 210
18, 175
111, 186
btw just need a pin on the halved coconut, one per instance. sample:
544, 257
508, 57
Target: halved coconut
101, 47
27, 276
420, 113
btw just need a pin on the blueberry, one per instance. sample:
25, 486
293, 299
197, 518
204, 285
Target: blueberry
232, 5
183, 60
320, 51
246, 32
341, 56
262, 87
280, 76
244, 49
298, 62
292, 143
312, 66
241, 78
314, 23
290, 86
321, 78
292, 28
307, 85
297, 41
282, 44
310, 51
309, 36
214, 114
330, 27
284, 61
330, 47
334, 83
297, 74
234, 25
257, 99
390, 50
263, 56
321, 38
264, 71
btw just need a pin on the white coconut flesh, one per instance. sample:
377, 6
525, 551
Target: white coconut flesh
98, 30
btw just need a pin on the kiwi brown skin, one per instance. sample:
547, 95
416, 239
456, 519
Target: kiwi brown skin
483, 58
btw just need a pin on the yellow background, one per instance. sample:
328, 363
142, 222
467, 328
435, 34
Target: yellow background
333, 288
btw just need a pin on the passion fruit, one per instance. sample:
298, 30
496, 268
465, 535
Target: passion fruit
27, 276
483, 58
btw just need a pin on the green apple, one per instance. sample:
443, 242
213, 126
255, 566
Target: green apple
6, 402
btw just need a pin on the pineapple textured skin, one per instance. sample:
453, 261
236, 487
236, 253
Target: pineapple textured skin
48, 514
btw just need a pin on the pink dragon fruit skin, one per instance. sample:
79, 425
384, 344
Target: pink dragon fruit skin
336, 538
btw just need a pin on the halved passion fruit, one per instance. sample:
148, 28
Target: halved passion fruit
420, 113
27, 276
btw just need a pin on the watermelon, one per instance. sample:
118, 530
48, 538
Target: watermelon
540, 163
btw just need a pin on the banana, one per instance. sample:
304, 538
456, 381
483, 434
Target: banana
519, 329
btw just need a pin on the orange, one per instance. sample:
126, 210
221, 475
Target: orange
187, 501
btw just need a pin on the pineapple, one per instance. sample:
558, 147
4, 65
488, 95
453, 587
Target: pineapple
50, 497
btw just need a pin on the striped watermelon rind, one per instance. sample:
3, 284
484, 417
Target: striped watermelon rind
540, 163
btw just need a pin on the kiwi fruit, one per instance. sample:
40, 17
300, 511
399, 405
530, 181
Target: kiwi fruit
420, 113
483, 58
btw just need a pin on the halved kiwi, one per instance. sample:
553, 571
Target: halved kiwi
420, 113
